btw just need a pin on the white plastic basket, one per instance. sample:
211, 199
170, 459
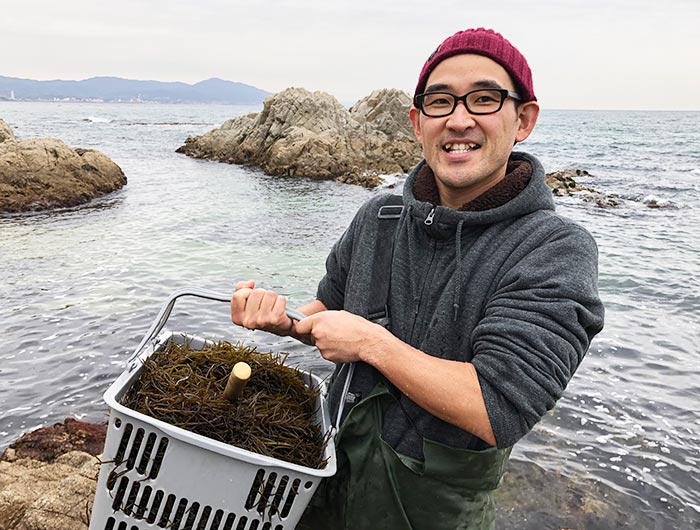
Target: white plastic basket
156, 475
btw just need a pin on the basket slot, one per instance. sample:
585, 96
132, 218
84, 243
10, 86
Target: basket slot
153, 512
146, 456
216, 521
143, 502
165, 516
119, 496
131, 499
265, 497
241, 523
123, 443
255, 488
179, 513
206, 513
135, 446
110, 524
228, 525
158, 460
279, 494
192, 516
293, 492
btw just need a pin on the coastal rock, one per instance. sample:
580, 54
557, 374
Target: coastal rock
5, 131
48, 443
35, 495
310, 134
43, 173
563, 183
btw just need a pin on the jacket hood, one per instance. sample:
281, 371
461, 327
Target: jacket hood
531, 199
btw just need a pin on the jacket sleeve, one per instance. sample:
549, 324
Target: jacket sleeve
536, 329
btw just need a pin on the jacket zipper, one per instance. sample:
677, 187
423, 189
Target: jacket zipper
429, 220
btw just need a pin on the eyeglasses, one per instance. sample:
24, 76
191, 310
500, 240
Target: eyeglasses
478, 102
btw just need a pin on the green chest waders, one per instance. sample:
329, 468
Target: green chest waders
378, 489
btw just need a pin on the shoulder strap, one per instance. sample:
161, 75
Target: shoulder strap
389, 214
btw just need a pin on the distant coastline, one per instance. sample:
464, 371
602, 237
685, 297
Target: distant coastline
120, 90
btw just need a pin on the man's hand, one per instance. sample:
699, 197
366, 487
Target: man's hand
260, 309
342, 337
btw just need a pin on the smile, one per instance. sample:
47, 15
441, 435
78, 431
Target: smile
460, 148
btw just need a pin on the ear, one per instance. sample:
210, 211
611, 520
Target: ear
527, 117
414, 116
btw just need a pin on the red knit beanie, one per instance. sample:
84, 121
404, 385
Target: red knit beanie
490, 44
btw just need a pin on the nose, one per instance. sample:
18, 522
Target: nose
460, 119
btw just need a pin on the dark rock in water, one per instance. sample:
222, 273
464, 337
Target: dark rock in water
563, 183
48, 443
310, 134
44, 173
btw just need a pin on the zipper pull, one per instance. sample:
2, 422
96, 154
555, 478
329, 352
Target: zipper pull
429, 220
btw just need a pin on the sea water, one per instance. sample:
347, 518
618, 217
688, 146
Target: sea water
80, 286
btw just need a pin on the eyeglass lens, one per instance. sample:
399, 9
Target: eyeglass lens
486, 101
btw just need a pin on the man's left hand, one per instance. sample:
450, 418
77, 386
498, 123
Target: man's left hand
342, 337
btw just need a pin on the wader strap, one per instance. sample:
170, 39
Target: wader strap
389, 215
377, 304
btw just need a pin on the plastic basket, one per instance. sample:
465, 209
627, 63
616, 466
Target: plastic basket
156, 475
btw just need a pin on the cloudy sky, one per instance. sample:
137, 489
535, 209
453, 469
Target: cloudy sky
585, 54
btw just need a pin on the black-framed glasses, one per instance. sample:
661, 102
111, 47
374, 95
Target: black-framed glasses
479, 102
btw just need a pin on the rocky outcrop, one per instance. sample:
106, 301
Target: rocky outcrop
5, 131
35, 495
43, 173
563, 183
310, 134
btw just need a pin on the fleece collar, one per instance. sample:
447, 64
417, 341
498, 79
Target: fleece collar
521, 192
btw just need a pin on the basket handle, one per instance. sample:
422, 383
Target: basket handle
167, 308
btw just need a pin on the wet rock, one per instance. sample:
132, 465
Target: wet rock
44, 173
48, 443
310, 134
563, 183
531, 498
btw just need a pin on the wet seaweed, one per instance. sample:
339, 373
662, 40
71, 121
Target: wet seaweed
275, 416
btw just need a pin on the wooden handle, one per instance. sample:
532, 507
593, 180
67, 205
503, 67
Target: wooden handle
237, 381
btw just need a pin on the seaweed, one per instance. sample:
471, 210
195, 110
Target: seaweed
275, 416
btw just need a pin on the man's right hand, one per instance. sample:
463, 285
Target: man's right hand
260, 309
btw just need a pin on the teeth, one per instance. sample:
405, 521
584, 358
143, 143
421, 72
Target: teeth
460, 147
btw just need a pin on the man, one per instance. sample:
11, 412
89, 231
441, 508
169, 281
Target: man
492, 305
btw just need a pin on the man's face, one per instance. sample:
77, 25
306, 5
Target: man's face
468, 154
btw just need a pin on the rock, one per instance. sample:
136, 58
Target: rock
43, 173
35, 495
5, 131
48, 443
310, 134
563, 183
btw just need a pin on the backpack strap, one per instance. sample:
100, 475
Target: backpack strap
389, 214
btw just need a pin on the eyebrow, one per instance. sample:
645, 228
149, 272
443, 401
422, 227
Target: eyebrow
483, 83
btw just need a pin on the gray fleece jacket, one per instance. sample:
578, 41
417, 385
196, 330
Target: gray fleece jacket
512, 289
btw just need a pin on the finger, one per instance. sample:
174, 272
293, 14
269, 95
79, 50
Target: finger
305, 326
251, 312
267, 303
245, 284
238, 304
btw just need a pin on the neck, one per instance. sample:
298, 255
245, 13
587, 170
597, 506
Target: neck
455, 197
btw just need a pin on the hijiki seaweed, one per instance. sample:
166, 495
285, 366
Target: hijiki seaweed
275, 416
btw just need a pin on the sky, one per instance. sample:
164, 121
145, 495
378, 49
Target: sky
584, 54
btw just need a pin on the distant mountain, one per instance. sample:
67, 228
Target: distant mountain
117, 89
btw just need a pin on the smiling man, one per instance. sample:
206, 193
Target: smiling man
455, 327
